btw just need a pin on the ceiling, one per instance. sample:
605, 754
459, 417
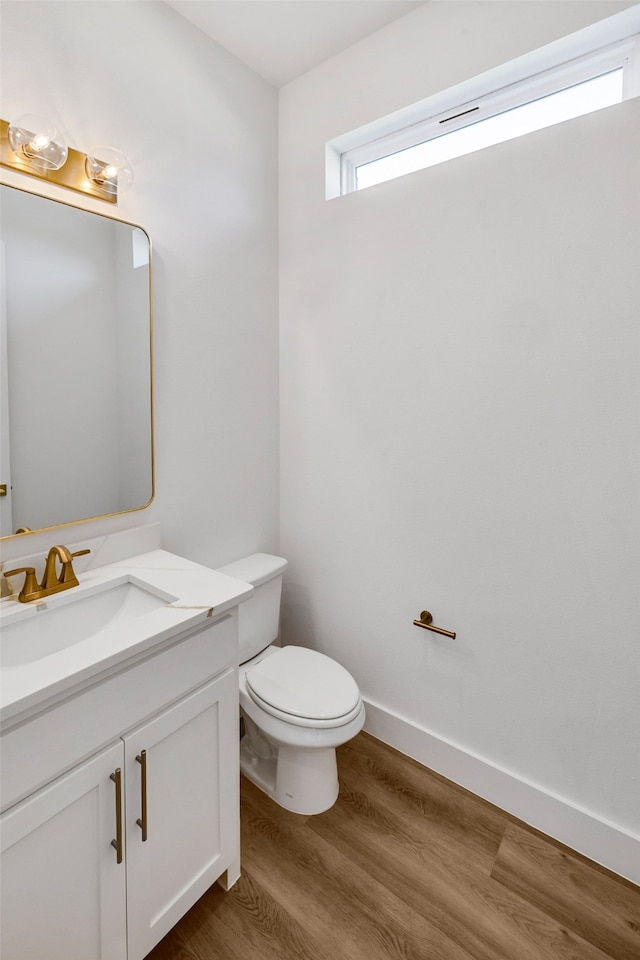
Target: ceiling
281, 39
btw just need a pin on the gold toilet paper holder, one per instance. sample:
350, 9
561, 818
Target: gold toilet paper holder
426, 621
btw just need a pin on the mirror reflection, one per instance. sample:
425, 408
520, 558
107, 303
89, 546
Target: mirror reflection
75, 375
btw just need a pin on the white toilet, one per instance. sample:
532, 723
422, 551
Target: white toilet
297, 705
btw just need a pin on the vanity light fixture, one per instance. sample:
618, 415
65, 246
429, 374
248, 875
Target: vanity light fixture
34, 146
39, 141
109, 168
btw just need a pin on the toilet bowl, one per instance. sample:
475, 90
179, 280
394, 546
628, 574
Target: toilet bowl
297, 705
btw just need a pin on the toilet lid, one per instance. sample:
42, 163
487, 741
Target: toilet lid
303, 683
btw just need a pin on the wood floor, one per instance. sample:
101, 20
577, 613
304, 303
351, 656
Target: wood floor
406, 865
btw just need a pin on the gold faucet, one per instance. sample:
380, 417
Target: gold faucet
52, 582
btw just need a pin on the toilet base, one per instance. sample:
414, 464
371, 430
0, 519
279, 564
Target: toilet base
302, 780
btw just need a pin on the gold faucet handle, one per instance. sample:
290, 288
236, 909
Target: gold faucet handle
30, 571
30, 587
67, 574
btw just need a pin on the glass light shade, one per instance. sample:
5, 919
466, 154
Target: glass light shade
110, 168
39, 140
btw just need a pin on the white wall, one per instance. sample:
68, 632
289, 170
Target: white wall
201, 132
459, 398
523, 689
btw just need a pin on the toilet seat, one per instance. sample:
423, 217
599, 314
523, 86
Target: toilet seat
305, 688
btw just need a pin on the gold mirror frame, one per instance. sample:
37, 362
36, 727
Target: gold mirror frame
65, 523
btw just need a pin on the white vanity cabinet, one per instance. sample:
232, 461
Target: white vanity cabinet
63, 894
149, 761
191, 814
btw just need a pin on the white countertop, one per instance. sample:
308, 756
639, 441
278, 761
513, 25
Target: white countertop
192, 594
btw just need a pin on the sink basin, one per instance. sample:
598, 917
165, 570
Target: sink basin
119, 614
39, 630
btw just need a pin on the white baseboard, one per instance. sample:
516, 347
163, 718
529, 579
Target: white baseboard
603, 842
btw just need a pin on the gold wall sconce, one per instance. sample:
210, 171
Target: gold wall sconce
38, 142
110, 169
33, 145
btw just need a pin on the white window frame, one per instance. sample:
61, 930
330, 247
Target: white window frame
625, 55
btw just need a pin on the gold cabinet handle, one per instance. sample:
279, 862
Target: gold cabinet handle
426, 621
117, 843
142, 821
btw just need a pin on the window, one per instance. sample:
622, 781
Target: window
581, 86
554, 108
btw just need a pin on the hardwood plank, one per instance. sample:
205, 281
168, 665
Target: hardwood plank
405, 866
258, 926
170, 949
194, 925
454, 820
349, 913
599, 907
548, 939
473, 911
243, 922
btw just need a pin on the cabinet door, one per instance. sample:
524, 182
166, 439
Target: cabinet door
191, 769
63, 893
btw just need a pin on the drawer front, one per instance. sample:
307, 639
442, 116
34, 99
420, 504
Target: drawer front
53, 741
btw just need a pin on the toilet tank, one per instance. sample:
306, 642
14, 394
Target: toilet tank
259, 616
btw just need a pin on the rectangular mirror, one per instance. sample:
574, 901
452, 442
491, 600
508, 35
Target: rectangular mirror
76, 433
